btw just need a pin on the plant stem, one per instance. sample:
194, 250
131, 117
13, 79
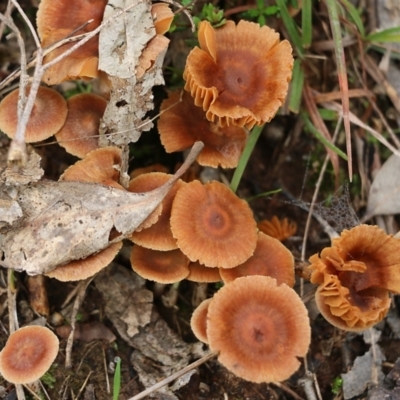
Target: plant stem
244, 158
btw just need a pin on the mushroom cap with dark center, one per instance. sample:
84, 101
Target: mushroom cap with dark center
182, 123
258, 328
79, 134
159, 266
271, 258
48, 114
212, 225
241, 74
28, 354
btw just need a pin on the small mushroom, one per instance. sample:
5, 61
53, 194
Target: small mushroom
271, 258
48, 114
79, 134
201, 273
280, 229
198, 322
259, 329
212, 225
181, 124
158, 236
28, 354
240, 74
355, 276
162, 17
159, 266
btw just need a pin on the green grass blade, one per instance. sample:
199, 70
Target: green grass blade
117, 380
309, 125
244, 158
264, 194
355, 16
296, 87
306, 23
387, 35
291, 27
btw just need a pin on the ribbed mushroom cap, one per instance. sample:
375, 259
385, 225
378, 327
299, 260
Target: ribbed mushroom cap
99, 166
58, 19
82, 269
28, 354
279, 229
181, 124
79, 134
271, 258
258, 328
241, 74
48, 114
162, 17
201, 273
157, 236
212, 225
151, 168
198, 322
355, 276
159, 266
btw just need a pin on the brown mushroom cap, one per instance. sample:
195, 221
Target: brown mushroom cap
99, 166
28, 354
355, 275
181, 124
48, 114
79, 134
258, 328
82, 269
279, 229
58, 19
212, 225
198, 322
158, 236
271, 258
241, 74
162, 17
159, 266
201, 273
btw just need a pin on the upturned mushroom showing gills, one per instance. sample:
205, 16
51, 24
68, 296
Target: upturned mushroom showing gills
28, 354
355, 276
240, 74
258, 328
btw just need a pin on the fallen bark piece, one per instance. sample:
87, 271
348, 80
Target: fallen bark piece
66, 221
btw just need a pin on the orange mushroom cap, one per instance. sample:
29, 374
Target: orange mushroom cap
181, 124
79, 134
258, 328
159, 266
99, 166
158, 236
28, 354
82, 269
48, 114
58, 19
198, 322
162, 17
279, 229
201, 273
271, 258
212, 225
241, 73
355, 275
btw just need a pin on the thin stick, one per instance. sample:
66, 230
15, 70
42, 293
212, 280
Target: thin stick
108, 389
7, 15
171, 378
78, 301
83, 386
287, 389
184, 10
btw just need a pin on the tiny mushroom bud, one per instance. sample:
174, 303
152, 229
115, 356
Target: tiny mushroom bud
28, 354
48, 114
271, 258
79, 134
355, 276
198, 322
240, 74
279, 229
181, 124
259, 329
212, 225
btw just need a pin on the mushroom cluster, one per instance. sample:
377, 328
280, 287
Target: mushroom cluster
355, 276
